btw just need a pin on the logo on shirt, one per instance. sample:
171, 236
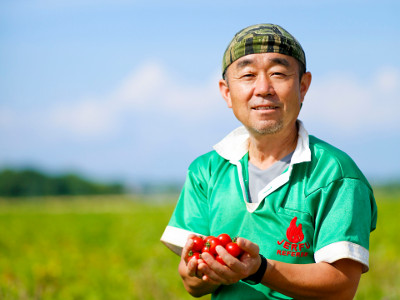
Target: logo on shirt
293, 246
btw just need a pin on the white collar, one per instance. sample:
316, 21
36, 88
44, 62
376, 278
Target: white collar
236, 144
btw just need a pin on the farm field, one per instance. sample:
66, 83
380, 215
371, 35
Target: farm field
108, 248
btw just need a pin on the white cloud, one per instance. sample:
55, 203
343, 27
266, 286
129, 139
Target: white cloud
344, 102
150, 90
91, 117
153, 87
388, 79
340, 101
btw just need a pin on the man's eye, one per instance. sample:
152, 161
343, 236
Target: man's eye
278, 74
248, 75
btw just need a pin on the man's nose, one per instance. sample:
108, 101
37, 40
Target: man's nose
264, 86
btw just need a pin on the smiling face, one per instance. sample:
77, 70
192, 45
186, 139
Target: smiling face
265, 92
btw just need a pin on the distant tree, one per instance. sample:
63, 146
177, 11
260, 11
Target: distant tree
30, 182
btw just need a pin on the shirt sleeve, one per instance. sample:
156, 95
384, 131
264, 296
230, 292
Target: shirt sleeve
191, 214
344, 217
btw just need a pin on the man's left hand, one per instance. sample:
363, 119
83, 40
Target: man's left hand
235, 269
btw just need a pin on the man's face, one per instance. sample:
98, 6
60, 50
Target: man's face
265, 92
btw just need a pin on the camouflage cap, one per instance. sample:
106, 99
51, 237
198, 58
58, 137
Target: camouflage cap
262, 38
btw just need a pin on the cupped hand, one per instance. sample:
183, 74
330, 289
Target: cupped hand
235, 269
191, 264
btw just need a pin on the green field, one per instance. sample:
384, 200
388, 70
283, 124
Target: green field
108, 248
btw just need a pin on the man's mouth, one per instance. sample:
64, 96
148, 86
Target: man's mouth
265, 107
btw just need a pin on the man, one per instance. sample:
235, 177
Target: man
302, 208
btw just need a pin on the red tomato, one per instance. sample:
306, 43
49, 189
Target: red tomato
195, 255
220, 260
205, 249
224, 239
198, 244
212, 243
207, 238
233, 249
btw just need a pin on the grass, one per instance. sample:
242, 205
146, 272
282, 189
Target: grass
383, 279
109, 248
86, 248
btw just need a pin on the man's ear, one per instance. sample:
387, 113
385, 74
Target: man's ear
304, 85
225, 92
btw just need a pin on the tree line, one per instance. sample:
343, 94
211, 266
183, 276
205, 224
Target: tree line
31, 182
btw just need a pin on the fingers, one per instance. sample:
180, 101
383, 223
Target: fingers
215, 272
186, 249
192, 267
188, 246
191, 264
236, 268
231, 262
252, 249
212, 271
251, 258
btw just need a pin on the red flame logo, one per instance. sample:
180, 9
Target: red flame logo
294, 233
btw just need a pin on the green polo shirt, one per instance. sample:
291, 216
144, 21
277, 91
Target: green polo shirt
321, 209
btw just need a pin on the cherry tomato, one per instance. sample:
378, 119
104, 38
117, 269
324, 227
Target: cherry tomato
220, 260
198, 244
224, 239
206, 248
233, 249
208, 238
207, 244
212, 244
195, 255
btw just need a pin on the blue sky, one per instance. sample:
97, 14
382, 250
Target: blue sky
128, 89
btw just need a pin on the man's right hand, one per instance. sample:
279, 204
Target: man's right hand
191, 274
191, 263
